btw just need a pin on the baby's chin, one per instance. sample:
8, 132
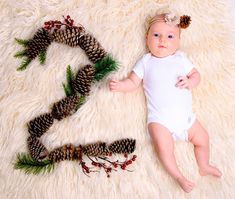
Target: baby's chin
163, 53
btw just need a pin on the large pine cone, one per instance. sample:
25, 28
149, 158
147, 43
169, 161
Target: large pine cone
96, 149
66, 152
83, 80
40, 41
36, 149
92, 48
64, 107
39, 125
123, 146
69, 36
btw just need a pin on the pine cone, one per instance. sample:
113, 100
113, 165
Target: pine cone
36, 148
96, 149
66, 152
184, 21
83, 80
76, 36
92, 48
64, 107
69, 36
40, 124
40, 41
122, 146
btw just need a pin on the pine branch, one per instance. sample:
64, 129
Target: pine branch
80, 102
29, 165
69, 77
67, 90
22, 42
42, 57
20, 54
105, 66
24, 64
69, 74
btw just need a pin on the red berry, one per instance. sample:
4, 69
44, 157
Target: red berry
125, 155
129, 162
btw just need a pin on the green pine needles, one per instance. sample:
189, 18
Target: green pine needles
105, 66
22, 42
22, 54
42, 57
68, 89
29, 165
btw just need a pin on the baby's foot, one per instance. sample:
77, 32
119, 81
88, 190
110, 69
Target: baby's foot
185, 184
210, 170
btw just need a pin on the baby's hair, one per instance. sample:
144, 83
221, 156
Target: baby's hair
169, 18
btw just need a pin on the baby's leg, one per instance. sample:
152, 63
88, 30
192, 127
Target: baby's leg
164, 145
200, 139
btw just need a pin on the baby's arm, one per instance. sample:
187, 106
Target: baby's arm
129, 84
190, 81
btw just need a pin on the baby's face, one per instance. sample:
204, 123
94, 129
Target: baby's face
162, 39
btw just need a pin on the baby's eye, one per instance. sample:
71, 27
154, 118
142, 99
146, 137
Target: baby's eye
156, 35
170, 36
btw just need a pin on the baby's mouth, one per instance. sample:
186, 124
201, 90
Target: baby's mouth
161, 46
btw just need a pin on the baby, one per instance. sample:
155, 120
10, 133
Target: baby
168, 77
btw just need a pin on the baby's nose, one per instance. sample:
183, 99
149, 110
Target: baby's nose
161, 39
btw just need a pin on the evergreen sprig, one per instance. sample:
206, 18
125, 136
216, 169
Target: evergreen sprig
68, 89
42, 57
80, 102
22, 42
29, 165
105, 66
20, 54
24, 64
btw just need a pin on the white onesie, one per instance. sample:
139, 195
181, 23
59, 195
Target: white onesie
167, 104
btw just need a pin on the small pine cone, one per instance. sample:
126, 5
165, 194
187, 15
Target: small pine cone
184, 21
64, 107
56, 155
68, 36
123, 146
92, 48
36, 149
39, 125
96, 149
83, 80
40, 42
66, 152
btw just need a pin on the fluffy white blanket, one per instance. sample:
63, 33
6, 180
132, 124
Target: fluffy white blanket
107, 116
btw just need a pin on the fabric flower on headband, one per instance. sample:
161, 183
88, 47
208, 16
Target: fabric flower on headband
173, 20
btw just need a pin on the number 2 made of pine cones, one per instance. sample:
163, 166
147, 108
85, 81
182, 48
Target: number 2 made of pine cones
61, 32
40, 159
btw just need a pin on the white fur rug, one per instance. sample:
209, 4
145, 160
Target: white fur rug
107, 116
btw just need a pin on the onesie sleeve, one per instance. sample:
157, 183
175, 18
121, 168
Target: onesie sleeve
139, 67
188, 66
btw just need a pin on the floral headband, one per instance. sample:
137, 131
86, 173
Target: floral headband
172, 19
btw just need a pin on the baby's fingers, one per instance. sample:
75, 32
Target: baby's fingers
180, 83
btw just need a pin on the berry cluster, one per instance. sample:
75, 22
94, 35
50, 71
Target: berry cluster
108, 168
56, 25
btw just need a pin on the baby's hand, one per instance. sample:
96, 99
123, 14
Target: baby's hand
183, 82
115, 85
